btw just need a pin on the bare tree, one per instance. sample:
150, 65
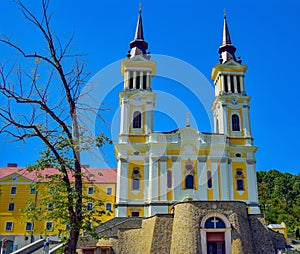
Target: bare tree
41, 93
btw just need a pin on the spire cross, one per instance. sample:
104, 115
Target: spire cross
224, 13
140, 5
187, 123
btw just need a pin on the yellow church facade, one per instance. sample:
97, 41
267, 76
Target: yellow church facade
155, 169
185, 191
182, 191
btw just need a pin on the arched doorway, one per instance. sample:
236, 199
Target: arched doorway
215, 243
215, 234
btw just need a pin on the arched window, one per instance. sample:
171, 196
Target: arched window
169, 179
136, 179
209, 179
239, 179
214, 222
215, 233
137, 120
189, 182
240, 184
235, 122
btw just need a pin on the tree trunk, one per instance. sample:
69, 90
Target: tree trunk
72, 242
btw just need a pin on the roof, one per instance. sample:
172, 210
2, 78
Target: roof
275, 226
138, 45
96, 175
226, 50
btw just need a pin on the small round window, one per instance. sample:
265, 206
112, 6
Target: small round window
239, 173
136, 171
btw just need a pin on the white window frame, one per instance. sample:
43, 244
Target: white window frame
109, 192
9, 207
140, 122
31, 226
11, 192
50, 207
239, 133
91, 188
106, 204
51, 228
12, 226
89, 204
32, 190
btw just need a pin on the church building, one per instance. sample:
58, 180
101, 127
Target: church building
185, 191
157, 169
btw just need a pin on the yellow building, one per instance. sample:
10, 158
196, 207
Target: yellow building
279, 228
196, 191
18, 187
157, 169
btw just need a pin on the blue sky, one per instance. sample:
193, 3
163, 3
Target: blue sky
265, 33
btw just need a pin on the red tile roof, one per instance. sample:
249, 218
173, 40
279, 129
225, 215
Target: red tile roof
97, 175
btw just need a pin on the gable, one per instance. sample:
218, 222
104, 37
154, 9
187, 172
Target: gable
15, 178
231, 62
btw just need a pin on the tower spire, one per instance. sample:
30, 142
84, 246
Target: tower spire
139, 46
226, 50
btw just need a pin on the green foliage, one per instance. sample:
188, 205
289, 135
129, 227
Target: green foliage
59, 189
101, 140
297, 233
279, 196
54, 207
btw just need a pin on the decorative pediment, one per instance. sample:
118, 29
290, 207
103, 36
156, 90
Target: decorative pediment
15, 178
232, 63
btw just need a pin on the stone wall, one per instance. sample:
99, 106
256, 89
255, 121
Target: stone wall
187, 219
249, 233
110, 229
162, 235
136, 240
130, 223
260, 234
153, 237
278, 240
186, 235
181, 232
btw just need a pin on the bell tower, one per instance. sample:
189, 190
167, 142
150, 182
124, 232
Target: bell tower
231, 105
231, 109
137, 102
